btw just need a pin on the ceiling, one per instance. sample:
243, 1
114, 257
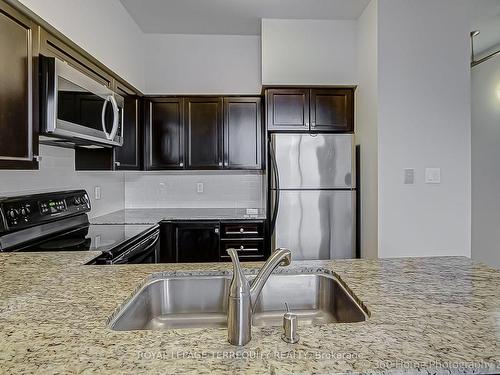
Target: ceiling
233, 17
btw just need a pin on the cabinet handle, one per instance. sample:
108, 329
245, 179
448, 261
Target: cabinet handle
242, 231
181, 164
247, 249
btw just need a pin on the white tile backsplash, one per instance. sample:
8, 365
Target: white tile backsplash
221, 189
57, 172
179, 189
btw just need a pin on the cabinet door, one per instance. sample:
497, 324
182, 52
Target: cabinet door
18, 91
164, 133
128, 156
242, 133
332, 110
287, 109
204, 133
197, 242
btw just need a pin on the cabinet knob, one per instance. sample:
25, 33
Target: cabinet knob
216, 230
220, 164
226, 163
242, 230
117, 163
242, 247
181, 164
313, 124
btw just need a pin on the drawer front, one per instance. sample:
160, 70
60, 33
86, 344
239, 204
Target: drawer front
247, 250
242, 230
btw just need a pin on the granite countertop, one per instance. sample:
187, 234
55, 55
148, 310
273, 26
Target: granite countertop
427, 315
155, 215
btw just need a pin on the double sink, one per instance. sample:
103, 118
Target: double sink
176, 302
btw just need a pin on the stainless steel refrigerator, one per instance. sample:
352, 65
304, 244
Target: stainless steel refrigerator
312, 195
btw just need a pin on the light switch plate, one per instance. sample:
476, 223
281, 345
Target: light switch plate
409, 176
199, 187
432, 175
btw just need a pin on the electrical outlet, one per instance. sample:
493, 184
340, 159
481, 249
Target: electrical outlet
199, 187
409, 177
97, 192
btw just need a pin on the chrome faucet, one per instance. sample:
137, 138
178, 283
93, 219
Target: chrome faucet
243, 295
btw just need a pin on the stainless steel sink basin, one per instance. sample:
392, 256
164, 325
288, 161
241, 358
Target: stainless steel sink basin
201, 301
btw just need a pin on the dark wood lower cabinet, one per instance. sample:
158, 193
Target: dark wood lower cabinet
197, 242
207, 241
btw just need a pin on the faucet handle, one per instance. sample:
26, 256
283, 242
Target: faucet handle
239, 283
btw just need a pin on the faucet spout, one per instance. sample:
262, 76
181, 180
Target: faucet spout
279, 257
243, 295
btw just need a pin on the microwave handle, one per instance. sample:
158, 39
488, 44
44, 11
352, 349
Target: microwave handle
116, 114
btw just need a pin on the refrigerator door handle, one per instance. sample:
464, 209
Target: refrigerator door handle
276, 177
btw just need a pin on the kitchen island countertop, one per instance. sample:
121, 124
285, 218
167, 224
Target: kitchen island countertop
427, 315
155, 215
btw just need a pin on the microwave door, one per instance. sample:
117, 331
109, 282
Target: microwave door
80, 107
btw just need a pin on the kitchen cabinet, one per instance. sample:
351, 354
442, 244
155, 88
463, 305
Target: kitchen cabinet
204, 132
129, 155
332, 110
242, 133
310, 109
164, 133
18, 90
197, 242
287, 109
207, 241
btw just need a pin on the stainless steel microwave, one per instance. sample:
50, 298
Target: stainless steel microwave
78, 108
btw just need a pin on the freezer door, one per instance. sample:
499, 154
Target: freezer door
313, 161
316, 224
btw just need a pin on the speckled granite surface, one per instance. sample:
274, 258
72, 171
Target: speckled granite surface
155, 215
428, 315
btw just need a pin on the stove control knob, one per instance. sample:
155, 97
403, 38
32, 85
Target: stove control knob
24, 212
12, 213
78, 200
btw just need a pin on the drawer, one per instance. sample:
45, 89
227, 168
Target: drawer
247, 250
242, 229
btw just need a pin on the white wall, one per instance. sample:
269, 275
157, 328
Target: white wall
179, 189
424, 121
366, 127
57, 172
102, 28
308, 52
485, 93
202, 64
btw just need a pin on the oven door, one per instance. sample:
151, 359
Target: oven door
146, 251
79, 108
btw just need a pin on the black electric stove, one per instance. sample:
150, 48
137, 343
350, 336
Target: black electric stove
58, 221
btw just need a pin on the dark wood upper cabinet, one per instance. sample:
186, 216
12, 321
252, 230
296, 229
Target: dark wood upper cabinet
203, 120
310, 109
18, 90
287, 109
332, 110
242, 133
129, 155
165, 133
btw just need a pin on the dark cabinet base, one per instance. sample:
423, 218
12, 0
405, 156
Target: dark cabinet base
207, 241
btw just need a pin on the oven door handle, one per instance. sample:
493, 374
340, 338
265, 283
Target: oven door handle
142, 247
116, 114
